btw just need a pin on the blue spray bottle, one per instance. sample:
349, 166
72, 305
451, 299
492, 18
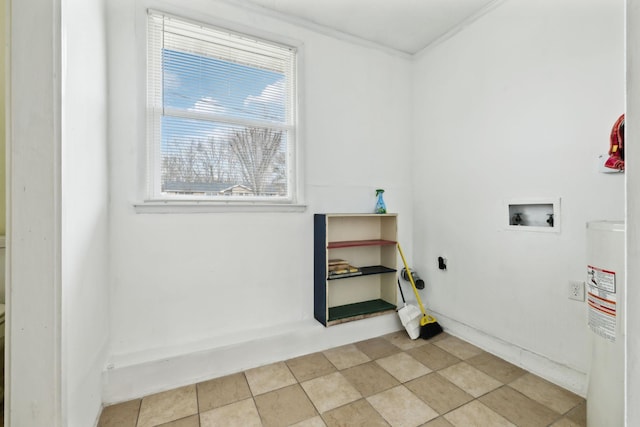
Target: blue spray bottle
381, 208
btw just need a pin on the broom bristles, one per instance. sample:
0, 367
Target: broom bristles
430, 330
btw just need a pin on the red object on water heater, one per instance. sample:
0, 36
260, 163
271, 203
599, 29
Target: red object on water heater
616, 147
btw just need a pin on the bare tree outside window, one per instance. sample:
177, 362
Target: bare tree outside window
256, 149
251, 157
199, 161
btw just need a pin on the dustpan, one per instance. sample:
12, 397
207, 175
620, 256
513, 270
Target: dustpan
410, 317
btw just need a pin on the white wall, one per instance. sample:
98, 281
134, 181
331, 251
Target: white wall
187, 282
517, 105
85, 295
632, 158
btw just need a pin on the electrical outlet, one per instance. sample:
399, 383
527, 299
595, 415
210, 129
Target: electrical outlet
576, 290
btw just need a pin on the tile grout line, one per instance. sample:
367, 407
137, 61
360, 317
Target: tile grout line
197, 402
305, 391
297, 383
139, 410
253, 396
558, 418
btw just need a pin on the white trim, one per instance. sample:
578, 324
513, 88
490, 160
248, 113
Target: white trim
209, 117
317, 28
557, 373
36, 386
153, 140
296, 178
193, 206
461, 26
178, 9
243, 34
632, 219
337, 34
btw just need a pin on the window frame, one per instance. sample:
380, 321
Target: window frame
153, 201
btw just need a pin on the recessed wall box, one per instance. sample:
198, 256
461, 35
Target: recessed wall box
533, 214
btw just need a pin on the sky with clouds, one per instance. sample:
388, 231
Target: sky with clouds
200, 84
204, 84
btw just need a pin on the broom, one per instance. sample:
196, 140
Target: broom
429, 326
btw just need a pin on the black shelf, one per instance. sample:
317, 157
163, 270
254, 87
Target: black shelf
366, 271
359, 309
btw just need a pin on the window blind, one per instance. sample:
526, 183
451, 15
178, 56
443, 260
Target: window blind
221, 109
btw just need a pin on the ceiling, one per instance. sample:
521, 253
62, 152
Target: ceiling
402, 25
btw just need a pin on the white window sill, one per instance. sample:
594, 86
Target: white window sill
194, 206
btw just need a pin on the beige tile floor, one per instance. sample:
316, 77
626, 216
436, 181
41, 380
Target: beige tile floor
385, 381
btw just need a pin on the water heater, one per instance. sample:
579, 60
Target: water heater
605, 298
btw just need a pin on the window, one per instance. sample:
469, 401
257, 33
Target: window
221, 114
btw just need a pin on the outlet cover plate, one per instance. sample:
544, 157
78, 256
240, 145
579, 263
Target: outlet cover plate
576, 290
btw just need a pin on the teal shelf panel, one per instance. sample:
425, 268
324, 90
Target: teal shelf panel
359, 309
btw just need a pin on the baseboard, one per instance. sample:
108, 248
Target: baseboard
124, 381
128, 377
557, 373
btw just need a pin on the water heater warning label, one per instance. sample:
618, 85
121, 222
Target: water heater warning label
602, 279
601, 298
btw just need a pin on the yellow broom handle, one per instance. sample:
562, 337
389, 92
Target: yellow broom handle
413, 284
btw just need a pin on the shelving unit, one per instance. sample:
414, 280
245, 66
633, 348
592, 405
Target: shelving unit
366, 241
